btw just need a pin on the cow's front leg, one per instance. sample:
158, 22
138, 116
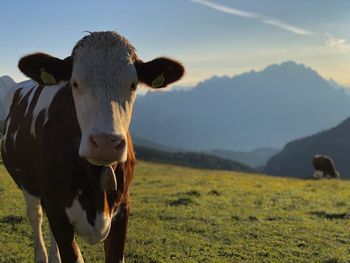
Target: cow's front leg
115, 242
34, 213
63, 231
54, 254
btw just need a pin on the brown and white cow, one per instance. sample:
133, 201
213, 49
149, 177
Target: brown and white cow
67, 143
324, 167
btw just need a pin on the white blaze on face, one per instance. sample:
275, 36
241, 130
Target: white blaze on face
104, 75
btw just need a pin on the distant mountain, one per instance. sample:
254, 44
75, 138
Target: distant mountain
253, 110
254, 158
6, 83
295, 159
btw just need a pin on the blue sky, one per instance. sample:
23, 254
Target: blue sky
211, 37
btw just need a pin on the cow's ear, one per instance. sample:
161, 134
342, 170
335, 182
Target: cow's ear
45, 69
159, 72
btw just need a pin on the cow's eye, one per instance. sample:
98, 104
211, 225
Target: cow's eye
75, 84
133, 86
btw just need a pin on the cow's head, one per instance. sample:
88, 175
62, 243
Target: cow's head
104, 72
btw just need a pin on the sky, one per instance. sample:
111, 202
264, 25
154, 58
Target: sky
210, 37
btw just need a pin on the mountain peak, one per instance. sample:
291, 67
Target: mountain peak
6, 81
285, 70
6, 77
290, 66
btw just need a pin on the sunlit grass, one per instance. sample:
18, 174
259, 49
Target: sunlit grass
188, 215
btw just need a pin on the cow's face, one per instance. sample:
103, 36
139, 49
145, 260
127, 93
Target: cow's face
104, 81
104, 72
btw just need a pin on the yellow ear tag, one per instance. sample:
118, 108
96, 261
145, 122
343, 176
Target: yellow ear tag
46, 77
158, 81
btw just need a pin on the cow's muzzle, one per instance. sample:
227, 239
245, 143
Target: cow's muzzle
105, 149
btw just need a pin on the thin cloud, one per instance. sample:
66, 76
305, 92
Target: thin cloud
264, 19
226, 9
336, 42
287, 27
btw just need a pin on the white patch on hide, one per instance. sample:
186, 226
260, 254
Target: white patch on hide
91, 234
5, 134
25, 86
318, 174
14, 136
44, 101
30, 98
24, 91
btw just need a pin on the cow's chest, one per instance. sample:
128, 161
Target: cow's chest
91, 232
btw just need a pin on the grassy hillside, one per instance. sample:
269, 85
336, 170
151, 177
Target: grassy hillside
188, 215
189, 159
295, 160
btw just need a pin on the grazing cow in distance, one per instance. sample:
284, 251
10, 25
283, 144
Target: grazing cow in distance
324, 167
67, 143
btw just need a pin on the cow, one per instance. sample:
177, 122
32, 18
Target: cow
67, 143
324, 167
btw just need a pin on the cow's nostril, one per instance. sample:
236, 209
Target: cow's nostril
105, 141
119, 144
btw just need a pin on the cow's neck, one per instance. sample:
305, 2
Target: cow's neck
88, 176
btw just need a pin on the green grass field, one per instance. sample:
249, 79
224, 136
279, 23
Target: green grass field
188, 215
